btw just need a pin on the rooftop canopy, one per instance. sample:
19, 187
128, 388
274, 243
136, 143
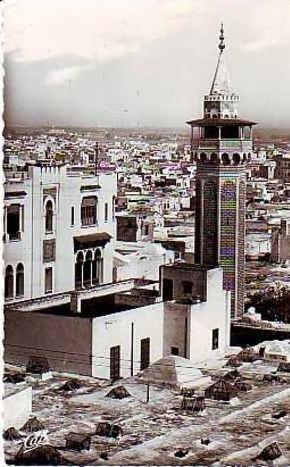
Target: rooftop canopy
222, 122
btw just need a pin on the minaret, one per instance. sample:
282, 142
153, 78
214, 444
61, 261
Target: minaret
221, 146
97, 157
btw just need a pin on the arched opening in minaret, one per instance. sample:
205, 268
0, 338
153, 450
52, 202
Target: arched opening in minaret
236, 159
214, 158
230, 132
225, 159
203, 157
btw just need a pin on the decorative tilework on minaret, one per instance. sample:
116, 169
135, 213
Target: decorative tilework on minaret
221, 146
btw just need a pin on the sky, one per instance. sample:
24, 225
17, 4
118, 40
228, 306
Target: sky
142, 63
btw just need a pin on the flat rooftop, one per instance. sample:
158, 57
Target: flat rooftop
92, 307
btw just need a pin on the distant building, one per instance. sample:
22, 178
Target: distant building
282, 170
267, 169
258, 246
134, 228
281, 242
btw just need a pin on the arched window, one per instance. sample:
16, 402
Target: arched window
88, 268
98, 267
89, 210
48, 217
9, 282
20, 280
79, 270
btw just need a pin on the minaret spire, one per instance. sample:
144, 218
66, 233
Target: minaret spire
221, 82
222, 38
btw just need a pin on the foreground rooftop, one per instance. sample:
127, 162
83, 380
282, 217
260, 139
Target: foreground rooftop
154, 431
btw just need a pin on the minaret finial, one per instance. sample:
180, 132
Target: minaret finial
221, 38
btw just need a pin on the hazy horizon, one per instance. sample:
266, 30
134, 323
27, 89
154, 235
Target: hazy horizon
142, 64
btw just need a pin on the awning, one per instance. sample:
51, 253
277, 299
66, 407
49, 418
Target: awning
222, 122
91, 241
89, 201
15, 194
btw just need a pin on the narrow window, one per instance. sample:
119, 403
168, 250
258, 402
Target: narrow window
89, 211
115, 362
167, 289
9, 282
20, 280
113, 208
48, 280
174, 351
106, 212
72, 216
215, 339
48, 217
145, 353
187, 287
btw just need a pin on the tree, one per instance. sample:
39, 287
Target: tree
273, 303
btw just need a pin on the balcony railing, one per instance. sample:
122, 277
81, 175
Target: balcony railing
223, 144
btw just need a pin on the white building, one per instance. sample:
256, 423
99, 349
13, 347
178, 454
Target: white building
140, 260
109, 340
59, 226
258, 245
17, 405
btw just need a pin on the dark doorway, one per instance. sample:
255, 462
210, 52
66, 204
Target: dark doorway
145, 353
115, 362
174, 351
167, 289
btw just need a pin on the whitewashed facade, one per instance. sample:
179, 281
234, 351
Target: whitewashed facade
55, 218
113, 344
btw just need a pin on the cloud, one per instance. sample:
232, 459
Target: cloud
65, 75
267, 25
93, 30
81, 62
